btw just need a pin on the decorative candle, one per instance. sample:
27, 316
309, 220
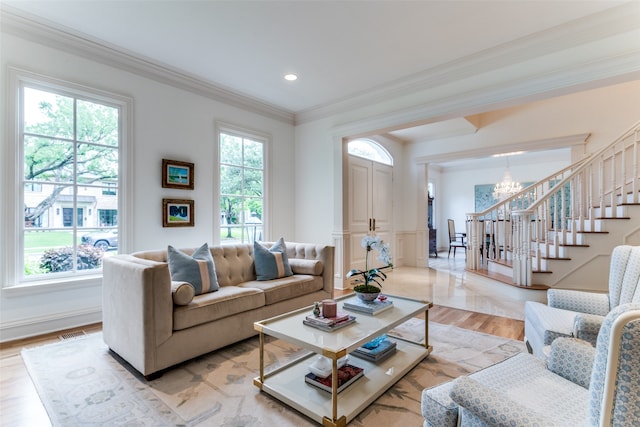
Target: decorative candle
329, 308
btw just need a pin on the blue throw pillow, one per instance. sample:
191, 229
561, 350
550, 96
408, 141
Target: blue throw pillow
271, 263
197, 269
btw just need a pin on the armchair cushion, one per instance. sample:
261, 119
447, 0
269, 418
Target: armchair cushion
437, 406
494, 408
543, 324
572, 359
197, 269
583, 302
587, 326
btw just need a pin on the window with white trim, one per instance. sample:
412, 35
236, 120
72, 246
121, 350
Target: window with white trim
69, 150
241, 191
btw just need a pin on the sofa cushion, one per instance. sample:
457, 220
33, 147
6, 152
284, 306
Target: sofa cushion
271, 263
197, 269
205, 308
306, 266
287, 287
182, 293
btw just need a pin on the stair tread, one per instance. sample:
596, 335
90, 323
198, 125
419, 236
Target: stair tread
507, 280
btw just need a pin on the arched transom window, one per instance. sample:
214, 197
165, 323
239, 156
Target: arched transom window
371, 150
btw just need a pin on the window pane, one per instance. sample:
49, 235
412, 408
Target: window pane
253, 182
97, 123
96, 164
48, 114
230, 180
230, 149
253, 154
48, 160
46, 251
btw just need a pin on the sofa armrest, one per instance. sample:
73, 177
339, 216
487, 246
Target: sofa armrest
494, 408
322, 253
572, 359
137, 308
579, 301
587, 326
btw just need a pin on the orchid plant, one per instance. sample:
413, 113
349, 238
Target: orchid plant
372, 278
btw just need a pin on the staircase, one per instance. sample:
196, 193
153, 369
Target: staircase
560, 231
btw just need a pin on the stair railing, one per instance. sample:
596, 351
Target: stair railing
535, 223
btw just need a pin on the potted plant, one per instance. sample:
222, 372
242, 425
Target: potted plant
369, 284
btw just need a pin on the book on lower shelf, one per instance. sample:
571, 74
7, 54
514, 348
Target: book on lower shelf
384, 349
347, 375
372, 307
332, 327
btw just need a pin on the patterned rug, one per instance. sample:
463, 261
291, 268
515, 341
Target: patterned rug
82, 384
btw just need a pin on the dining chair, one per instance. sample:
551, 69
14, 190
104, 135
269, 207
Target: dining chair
456, 240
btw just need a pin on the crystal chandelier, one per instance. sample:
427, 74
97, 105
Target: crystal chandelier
508, 187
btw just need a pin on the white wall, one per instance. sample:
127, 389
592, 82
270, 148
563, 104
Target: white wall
605, 113
167, 123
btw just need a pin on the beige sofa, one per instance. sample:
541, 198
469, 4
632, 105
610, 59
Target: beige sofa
145, 327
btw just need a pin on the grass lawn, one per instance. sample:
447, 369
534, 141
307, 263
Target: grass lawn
47, 239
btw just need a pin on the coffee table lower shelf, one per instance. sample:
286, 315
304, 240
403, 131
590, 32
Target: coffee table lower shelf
287, 385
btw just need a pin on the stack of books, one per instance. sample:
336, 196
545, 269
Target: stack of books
373, 307
329, 323
347, 375
380, 352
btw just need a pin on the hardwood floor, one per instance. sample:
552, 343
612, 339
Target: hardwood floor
20, 405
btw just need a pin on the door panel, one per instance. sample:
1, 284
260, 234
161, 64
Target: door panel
370, 198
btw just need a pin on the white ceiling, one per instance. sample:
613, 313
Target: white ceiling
339, 49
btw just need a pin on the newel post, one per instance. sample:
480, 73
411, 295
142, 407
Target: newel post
522, 247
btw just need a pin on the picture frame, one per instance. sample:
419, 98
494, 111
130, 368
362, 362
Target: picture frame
177, 174
177, 213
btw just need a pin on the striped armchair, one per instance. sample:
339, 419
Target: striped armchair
578, 385
579, 314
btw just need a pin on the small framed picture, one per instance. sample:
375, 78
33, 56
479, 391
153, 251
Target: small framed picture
177, 174
177, 213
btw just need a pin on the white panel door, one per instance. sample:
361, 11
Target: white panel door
370, 207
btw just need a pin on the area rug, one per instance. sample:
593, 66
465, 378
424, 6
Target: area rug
82, 384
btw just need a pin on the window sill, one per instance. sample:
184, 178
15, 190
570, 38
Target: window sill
46, 286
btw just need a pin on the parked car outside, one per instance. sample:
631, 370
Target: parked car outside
104, 240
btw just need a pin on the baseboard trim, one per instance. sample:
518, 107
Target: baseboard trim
34, 326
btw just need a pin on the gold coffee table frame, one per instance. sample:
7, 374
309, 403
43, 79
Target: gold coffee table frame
287, 384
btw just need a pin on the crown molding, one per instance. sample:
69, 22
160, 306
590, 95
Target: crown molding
44, 32
531, 50
533, 145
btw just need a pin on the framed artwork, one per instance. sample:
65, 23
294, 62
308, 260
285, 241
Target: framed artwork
177, 213
177, 174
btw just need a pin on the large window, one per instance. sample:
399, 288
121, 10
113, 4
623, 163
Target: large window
69, 148
241, 187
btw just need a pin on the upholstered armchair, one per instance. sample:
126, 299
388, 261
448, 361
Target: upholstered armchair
579, 314
578, 385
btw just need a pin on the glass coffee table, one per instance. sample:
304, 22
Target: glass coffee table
287, 383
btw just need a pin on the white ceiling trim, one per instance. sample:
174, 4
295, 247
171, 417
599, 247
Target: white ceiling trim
619, 20
535, 145
49, 34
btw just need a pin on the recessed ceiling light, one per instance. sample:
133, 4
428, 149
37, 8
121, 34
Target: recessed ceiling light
290, 77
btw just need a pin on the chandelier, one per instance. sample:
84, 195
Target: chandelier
508, 187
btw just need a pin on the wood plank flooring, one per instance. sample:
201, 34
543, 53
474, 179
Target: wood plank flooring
20, 405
